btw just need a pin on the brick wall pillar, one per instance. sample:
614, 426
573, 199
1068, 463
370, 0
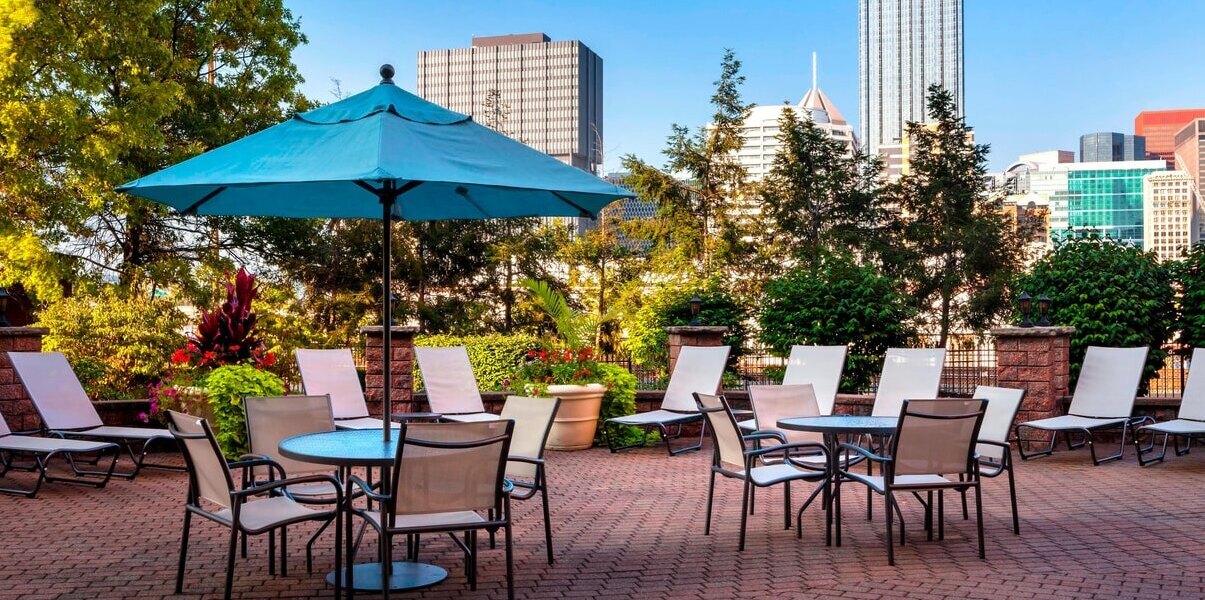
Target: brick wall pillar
402, 369
15, 405
1038, 360
693, 335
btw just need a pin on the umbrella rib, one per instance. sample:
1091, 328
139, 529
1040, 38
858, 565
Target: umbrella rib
585, 213
192, 210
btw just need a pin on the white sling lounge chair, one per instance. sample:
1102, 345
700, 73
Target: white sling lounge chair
908, 373
66, 410
1103, 399
1189, 422
819, 366
451, 387
333, 373
699, 369
42, 450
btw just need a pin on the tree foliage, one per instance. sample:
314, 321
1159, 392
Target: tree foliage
1190, 275
952, 244
836, 302
1112, 293
668, 304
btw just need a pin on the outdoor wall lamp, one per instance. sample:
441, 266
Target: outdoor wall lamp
1043, 311
696, 305
1025, 305
4, 296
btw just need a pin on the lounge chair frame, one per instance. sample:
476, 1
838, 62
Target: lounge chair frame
41, 460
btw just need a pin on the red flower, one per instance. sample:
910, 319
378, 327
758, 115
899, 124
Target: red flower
180, 356
269, 359
531, 354
542, 355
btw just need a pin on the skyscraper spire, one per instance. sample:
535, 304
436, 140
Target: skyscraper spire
815, 84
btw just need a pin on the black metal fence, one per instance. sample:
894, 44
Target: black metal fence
1170, 382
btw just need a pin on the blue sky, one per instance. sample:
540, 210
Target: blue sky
1038, 73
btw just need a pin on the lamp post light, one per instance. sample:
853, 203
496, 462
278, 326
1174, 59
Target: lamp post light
696, 305
4, 296
1044, 311
1025, 305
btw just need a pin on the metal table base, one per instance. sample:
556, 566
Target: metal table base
366, 577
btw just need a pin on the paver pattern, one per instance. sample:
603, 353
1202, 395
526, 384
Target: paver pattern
631, 526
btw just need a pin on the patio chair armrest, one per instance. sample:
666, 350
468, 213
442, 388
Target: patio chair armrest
864, 452
526, 459
366, 488
264, 488
786, 447
246, 464
765, 434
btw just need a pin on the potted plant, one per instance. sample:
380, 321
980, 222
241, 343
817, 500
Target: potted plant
574, 377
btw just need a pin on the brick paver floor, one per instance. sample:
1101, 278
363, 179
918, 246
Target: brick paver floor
631, 526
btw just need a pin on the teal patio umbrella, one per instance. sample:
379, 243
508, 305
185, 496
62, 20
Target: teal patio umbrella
381, 154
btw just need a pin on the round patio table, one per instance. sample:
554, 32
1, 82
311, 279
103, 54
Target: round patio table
833, 426
360, 448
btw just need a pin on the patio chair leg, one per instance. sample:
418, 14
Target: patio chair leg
900, 515
493, 534
823, 487
710, 497
979, 519
1176, 440
837, 510
929, 517
890, 542
284, 551
869, 493
338, 552
1144, 461
183, 552
1012, 494
752, 499
234, 533
510, 560
1021, 446
244, 546
941, 515
272, 552
309, 546
1125, 428
744, 514
963, 492
547, 517
786, 505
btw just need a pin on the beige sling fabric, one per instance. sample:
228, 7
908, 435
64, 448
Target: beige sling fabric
272, 419
820, 366
449, 381
699, 369
936, 446
214, 482
907, 373
444, 480
55, 390
1192, 401
333, 373
533, 419
727, 436
1108, 382
772, 403
1002, 406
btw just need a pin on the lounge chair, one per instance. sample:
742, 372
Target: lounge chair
451, 387
251, 510
333, 373
699, 369
994, 451
1189, 422
907, 373
1103, 399
525, 466
934, 441
67, 412
273, 419
733, 458
447, 478
820, 366
42, 450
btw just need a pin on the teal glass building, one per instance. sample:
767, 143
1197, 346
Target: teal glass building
1104, 197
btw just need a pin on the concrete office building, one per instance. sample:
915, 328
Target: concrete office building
1159, 127
1170, 213
1109, 146
760, 130
904, 46
554, 90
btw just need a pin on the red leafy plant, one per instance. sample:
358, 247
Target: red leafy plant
226, 335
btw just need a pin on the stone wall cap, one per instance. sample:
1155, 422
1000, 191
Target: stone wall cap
1032, 331
411, 329
22, 331
697, 329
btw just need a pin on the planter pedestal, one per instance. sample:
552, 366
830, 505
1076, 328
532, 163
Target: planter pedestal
577, 418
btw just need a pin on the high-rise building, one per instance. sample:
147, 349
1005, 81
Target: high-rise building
1189, 155
1108, 146
760, 130
1170, 213
904, 46
1159, 127
553, 90
1105, 197
897, 157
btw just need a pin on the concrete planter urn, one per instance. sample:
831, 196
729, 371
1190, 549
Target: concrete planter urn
577, 418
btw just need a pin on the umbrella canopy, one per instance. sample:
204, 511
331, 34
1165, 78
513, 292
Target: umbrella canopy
381, 154
334, 162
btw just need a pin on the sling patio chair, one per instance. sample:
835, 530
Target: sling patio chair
42, 450
67, 412
451, 386
447, 478
1189, 422
934, 441
333, 373
907, 373
1103, 399
249, 510
271, 420
820, 366
732, 457
994, 450
699, 369
525, 467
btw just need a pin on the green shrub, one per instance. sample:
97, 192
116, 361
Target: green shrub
226, 387
1190, 274
669, 305
620, 400
837, 302
117, 345
495, 357
1112, 293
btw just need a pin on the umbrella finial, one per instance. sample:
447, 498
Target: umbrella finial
387, 74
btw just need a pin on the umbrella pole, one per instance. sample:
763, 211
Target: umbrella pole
388, 199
